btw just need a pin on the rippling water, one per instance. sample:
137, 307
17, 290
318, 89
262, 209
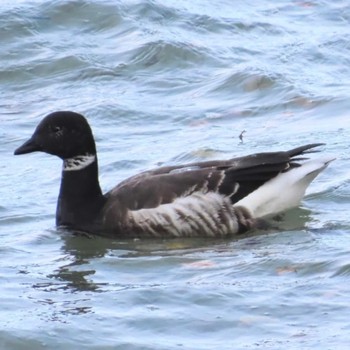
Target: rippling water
164, 83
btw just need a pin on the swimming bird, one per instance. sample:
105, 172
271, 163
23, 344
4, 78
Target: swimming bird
206, 199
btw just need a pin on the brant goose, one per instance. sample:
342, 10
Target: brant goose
209, 199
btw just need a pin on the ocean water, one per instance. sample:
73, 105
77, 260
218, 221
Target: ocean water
168, 82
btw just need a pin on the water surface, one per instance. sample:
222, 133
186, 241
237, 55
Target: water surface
166, 83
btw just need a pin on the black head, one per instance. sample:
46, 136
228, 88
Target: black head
63, 134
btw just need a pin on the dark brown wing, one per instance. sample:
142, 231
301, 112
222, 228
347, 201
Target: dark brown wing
235, 178
252, 171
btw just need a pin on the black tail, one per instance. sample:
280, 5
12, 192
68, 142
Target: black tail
299, 151
304, 149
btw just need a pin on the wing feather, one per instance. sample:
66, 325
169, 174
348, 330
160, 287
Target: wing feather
234, 178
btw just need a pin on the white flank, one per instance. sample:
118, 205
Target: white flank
284, 191
199, 214
78, 162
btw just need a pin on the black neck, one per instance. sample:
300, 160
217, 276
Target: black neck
80, 198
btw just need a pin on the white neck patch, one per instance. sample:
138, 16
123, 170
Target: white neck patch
78, 162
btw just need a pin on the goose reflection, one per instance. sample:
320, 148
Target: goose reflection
82, 249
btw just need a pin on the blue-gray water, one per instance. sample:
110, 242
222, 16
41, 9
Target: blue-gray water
166, 82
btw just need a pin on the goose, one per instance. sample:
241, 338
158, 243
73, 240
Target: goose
217, 198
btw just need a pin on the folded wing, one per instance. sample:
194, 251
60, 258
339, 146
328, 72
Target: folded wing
235, 178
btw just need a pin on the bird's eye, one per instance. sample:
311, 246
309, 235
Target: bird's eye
57, 130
